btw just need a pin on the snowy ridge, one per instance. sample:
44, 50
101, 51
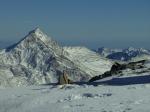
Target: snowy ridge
88, 60
123, 54
107, 51
38, 59
141, 57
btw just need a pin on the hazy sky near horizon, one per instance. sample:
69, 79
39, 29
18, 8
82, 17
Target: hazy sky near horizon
91, 23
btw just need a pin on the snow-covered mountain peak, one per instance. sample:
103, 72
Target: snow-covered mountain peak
35, 39
107, 51
37, 29
131, 49
123, 54
38, 33
38, 59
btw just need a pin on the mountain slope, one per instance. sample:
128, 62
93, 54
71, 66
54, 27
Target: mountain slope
123, 54
38, 59
141, 57
107, 51
89, 61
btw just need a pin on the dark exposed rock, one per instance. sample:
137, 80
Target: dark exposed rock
119, 56
117, 68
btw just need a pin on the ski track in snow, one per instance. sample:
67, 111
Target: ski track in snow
76, 98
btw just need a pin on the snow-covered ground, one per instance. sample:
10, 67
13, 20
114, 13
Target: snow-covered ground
127, 94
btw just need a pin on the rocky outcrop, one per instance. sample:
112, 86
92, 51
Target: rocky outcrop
117, 68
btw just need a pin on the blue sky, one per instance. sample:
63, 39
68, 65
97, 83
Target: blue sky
91, 23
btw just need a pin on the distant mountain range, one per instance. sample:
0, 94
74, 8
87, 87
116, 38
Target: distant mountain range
124, 54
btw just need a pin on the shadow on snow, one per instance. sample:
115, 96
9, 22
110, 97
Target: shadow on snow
120, 81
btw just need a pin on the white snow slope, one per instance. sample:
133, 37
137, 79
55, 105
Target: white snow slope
91, 62
76, 98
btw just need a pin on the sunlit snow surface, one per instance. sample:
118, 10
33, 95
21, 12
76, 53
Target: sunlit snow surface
125, 94
89, 61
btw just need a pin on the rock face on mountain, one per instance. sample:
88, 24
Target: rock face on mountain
118, 68
123, 54
38, 59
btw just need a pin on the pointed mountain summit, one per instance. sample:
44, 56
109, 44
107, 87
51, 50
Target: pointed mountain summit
37, 37
37, 30
38, 34
34, 47
35, 59
38, 59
